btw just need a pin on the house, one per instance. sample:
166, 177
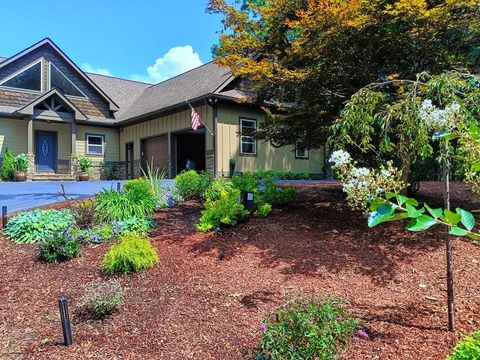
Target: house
53, 111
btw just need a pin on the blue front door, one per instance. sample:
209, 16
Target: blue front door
46, 151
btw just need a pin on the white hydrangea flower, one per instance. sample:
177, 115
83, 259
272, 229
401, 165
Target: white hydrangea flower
386, 173
358, 172
436, 119
340, 158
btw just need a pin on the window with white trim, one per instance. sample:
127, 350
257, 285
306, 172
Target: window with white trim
29, 78
59, 81
95, 144
301, 153
248, 144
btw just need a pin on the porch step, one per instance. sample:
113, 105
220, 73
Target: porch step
51, 177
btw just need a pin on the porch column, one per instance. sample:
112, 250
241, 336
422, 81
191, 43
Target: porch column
30, 151
73, 150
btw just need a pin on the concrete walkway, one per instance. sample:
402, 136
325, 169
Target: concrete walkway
27, 195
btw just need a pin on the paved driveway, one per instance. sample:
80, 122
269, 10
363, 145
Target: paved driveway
27, 195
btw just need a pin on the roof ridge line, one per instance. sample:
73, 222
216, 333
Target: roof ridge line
186, 72
118, 78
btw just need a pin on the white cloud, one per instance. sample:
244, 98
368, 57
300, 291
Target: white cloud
89, 68
176, 61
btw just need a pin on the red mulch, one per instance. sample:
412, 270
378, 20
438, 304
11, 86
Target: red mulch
207, 297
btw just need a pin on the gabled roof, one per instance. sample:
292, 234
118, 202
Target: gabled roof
2, 59
29, 108
201, 81
112, 105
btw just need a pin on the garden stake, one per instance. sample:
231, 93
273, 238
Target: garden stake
118, 187
65, 317
4, 216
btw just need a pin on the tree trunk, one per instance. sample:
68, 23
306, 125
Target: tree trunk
448, 242
406, 168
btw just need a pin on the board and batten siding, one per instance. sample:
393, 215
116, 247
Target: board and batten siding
13, 135
164, 125
267, 158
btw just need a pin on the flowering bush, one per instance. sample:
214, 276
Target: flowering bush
436, 119
58, 248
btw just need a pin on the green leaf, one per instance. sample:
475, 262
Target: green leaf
389, 195
413, 212
436, 213
458, 231
451, 217
399, 216
383, 213
440, 134
467, 218
475, 167
421, 223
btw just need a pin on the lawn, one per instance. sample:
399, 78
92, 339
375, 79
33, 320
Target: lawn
207, 297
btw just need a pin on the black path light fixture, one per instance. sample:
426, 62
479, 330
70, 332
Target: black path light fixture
4, 216
119, 186
65, 318
247, 199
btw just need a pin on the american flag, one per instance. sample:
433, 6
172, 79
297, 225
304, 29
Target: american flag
195, 120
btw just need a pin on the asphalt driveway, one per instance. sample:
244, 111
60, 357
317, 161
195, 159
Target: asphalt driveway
27, 195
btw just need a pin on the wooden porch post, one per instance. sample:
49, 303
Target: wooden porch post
30, 151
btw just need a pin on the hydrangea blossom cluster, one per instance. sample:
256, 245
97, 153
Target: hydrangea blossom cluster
436, 119
363, 185
340, 158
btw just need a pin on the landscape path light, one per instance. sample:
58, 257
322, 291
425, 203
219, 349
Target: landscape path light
65, 318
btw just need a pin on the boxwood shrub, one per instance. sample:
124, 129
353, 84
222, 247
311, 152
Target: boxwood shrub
192, 185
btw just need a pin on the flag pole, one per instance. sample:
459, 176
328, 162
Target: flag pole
191, 107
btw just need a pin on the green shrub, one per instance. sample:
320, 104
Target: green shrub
37, 225
84, 163
120, 206
467, 349
139, 185
95, 235
59, 248
8, 165
133, 226
279, 175
154, 176
276, 196
131, 254
307, 329
192, 185
224, 211
246, 182
263, 210
101, 299
21, 162
217, 186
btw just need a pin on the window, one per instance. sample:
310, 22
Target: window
95, 144
59, 81
29, 78
248, 144
301, 153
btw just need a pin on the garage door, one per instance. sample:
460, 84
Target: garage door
156, 150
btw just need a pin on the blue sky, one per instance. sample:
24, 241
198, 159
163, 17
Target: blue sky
147, 40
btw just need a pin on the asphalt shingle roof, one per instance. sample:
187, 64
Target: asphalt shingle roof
2, 59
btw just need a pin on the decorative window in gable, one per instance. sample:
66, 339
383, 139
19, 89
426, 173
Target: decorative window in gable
59, 81
29, 78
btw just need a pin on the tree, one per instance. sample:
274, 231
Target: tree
310, 56
8, 165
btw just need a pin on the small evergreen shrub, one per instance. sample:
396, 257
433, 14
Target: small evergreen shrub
224, 211
217, 187
8, 165
59, 248
37, 225
192, 185
263, 210
307, 329
279, 175
101, 299
131, 254
467, 349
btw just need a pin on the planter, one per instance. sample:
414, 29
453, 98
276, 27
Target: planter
83, 176
20, 176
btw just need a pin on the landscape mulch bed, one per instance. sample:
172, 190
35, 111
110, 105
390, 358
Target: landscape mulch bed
207, 297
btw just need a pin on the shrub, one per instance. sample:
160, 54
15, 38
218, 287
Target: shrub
191, 184
84, 214
467, 349
59, 248
133, 226
84, 163
279, 175
8, 165
276, 196
154, 176
226, 210
131, 254
139, 185
246, 182
307, 329
263, 210
94, 235
21, 162
217, 186
101, 299
114, 206
37, 225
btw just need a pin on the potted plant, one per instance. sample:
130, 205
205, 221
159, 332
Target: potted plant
21, 167
85, 164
